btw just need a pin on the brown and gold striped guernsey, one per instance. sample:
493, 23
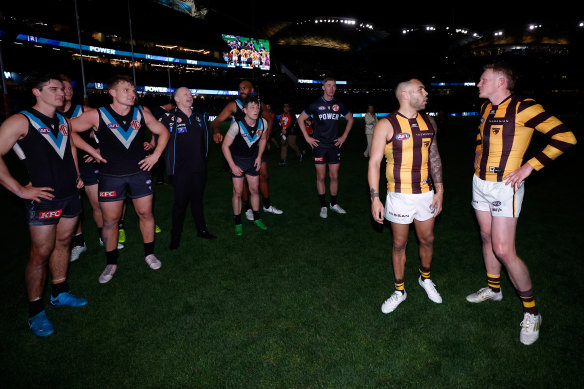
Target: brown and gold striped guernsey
407, 152
505, 132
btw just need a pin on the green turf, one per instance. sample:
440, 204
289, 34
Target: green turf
298, 305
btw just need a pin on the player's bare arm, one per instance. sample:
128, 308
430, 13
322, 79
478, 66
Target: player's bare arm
227, 112
12, 130
227, 142
382, 133
266, 115
436, 172
74, 154
159, 129
310, 140
87, 121
339, 141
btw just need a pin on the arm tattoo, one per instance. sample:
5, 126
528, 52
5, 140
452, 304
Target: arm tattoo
435, 163
373, 193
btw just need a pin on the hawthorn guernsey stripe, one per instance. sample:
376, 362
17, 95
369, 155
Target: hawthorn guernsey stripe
407, 154
505, 132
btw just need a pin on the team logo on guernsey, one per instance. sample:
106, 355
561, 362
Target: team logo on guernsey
50, 214
335, 107
124, 136
249, 138
178, 120
58, 142
496, 130
402, 136
426, 143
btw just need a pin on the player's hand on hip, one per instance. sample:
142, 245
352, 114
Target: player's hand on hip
339, 141
312, 142
147, 163
30, 192
517, 177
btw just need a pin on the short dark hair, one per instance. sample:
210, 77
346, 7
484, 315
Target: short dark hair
250, 100
38, 80
115, 80
327, 79
506, 70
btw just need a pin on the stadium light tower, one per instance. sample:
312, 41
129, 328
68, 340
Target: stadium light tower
85, 99
131, 43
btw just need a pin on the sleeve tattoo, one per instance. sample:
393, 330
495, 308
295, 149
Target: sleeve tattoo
435, 163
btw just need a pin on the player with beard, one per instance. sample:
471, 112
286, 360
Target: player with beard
414, 184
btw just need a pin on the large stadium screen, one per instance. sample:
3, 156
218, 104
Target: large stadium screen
248, 53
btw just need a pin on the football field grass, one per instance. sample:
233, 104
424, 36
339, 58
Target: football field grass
298, 305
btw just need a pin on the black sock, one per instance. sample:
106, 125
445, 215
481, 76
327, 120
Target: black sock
246, 205
61, 287
256, 215
111, 257
148, 248
237, 218
333, 200
35, 307
322, 199
267, 202
99, 232
78, 240
121, 224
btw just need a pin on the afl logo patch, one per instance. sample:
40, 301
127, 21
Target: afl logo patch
321, 108
63, 129
44, 130
335, 107
496, 203
113, 126
402, 136
135, 124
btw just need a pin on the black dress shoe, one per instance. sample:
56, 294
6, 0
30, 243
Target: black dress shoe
206, 234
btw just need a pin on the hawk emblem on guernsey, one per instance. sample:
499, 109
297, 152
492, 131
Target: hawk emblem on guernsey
496, 130
58, 142
426, 143
126, 137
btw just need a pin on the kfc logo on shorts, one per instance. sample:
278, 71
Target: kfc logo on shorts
496, 203
113, 126
63, 130
135, 124
44, 130
335, 107
402, 136
318, 159
111, 193
50, 214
